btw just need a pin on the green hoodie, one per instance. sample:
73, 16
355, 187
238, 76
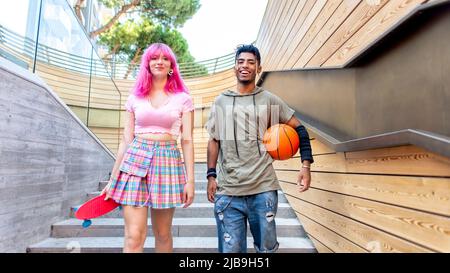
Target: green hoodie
239, 122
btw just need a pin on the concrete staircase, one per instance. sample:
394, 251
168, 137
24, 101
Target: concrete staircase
194, 229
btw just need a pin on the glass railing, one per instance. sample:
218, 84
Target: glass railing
122, 70
66, 59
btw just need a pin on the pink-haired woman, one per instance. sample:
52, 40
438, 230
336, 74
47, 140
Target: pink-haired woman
148, 171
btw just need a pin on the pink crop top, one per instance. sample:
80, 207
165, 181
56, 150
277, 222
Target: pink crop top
164, 119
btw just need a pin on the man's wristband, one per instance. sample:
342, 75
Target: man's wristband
211, 172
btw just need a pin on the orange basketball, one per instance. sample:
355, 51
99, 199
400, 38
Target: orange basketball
281, 141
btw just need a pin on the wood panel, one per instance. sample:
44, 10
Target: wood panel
290, 8
72, 87
312, 15
425, 229
316, 27
297, 34
319, 148
79, 95
369, 238
272, 22
402, 160
300, 15
268, 10
420, 193
388, 16
321, 248
112, 136
330, 239
343, 11
347, 29
382, 200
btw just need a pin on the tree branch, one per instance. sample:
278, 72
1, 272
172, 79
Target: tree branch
113, 51
133, 62
77, 8
116, 17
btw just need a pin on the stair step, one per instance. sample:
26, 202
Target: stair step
198, 210
180, 244
200, 175
200, 196
181, 227
200, 184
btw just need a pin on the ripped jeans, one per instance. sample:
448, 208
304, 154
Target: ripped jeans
232, 213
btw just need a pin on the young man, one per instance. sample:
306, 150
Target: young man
246, 185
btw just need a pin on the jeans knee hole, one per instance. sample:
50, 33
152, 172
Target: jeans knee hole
270, 216
269, 203
220, 214
226, 237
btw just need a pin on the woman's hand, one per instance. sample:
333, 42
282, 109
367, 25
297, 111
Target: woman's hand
188, 194
106, 189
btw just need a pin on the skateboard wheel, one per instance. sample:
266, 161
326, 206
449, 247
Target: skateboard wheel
87, 223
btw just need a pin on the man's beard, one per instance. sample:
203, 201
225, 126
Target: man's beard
246, 82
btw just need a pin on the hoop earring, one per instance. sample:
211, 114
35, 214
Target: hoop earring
170, 73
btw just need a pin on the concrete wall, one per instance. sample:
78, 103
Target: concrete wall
49, 160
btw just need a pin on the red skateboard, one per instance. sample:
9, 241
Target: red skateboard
94, 208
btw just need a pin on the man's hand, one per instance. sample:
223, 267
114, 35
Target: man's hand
211, 189
304, 179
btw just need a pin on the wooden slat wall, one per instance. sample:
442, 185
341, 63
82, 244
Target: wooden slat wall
320, 33
112, 136
383, 200
73, 88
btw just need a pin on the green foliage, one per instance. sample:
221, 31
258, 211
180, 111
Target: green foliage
153, 21
172, 13
131, 38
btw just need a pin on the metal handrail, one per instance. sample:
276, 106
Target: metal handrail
187, 70
72, 62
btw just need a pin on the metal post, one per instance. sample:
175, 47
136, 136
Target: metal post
215, 65
90, 84
37, 37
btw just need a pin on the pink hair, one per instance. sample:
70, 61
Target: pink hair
143, 84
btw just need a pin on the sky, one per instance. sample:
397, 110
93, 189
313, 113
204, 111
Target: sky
220, 25
13, 15
215, 30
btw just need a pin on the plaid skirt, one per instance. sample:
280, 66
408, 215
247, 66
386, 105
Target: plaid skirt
151, 175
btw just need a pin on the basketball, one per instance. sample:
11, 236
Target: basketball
281, 141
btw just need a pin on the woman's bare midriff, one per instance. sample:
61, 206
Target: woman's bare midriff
150, 136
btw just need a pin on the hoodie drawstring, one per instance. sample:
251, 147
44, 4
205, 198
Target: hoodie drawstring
257, 91
234, 127
257, 125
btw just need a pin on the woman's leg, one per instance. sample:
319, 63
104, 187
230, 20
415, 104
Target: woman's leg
135, 228
162, 229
